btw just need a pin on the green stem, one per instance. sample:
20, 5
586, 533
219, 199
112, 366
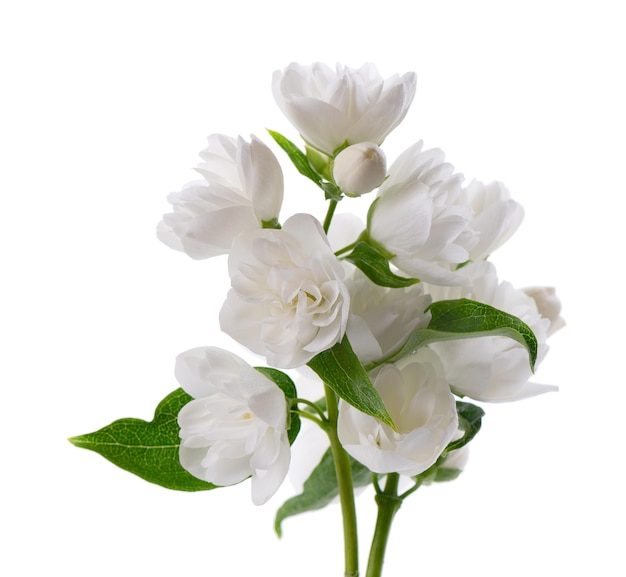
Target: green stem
329, 215
346, 488
388, 505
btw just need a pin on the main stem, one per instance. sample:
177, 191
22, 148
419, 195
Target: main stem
388, 505
346, 488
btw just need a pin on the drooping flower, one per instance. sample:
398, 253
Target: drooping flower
381, 319
419, 401
235, 427
496, 216
242, 189
332, 108
420, 217
360, 168
288, 301
492, 368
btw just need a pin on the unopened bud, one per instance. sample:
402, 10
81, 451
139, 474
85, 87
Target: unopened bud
360, 168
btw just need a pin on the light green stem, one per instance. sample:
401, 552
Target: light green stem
388, 505
329, 215
346, 488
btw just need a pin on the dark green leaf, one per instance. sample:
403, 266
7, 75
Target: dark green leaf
147, 449
375, 265
286, 386
320, 489
299, 159
341, 370
465, 319
471, 317
470, 421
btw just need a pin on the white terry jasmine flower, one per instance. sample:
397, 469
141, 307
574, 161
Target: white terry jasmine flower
347, 105
360, 168
381, 319
492, 368
496, 216
419, 217
423, 409
243, 188
288, 301
236, 426
548, 305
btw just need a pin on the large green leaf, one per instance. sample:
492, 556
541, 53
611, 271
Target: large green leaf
465, 319
341, 370
320, 489
147, 449
375, 265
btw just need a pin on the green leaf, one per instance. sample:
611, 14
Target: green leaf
470, 421
466, 319
287, 386
375, 265
478, 319
341, 370
320, 489
147, 449
299, 159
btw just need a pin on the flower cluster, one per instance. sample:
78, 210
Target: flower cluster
366, 313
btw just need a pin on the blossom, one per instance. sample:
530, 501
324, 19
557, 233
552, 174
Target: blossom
423, 409
496, 216
548, 305
288, 301
360, 168
235, 427
242, 189
381, 319
420, 219
492, 368
334, 108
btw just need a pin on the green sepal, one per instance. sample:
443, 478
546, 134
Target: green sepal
331, 191
320, 162
341, 370
465, 319
288, 387
375, 265
320, 489
297, 157
147, 449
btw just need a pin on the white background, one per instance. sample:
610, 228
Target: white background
104, 106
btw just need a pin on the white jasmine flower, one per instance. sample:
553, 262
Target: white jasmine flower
243, 188
420, 219
288, 301
331, 108
492, 368
236, 426
548, 305
382, 318
360, 168
496, 216
419, 401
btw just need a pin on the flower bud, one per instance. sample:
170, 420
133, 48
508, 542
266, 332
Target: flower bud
360, 168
